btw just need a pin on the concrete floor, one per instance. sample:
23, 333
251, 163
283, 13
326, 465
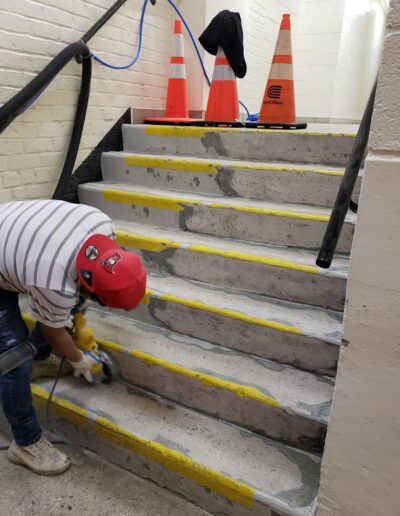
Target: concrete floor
91, 487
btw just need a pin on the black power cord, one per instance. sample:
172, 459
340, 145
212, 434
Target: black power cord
52, 392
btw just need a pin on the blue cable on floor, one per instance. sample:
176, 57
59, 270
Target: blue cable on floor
139, 49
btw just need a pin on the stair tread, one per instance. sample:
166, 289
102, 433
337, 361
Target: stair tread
299, 392
286, 256
185, 441
319, 129
289, 210
205, 163
306, 320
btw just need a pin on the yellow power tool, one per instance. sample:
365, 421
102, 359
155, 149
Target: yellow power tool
106, 368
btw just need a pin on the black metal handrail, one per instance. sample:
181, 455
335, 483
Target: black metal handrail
24, 98
343, 199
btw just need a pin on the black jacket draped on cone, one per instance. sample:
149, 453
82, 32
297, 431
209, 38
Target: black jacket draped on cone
225, 30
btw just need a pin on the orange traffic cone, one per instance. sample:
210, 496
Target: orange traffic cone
278, 105
176, 109
177, 101
223, 102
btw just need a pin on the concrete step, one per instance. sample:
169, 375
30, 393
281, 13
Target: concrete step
280, 272
276, 182
289, 333
222, 468
256, 221
325, 145
91, 487
275, 400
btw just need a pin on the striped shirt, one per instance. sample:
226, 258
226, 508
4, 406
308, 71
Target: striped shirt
39, 242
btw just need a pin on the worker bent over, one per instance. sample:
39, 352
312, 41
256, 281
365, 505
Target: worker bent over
54, 252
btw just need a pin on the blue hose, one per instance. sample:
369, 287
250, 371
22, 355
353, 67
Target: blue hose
139, 49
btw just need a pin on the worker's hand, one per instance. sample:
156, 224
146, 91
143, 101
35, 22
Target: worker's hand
89, 366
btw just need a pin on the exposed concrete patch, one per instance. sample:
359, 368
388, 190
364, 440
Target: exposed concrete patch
214, 141
305, 465
320, 410
159, 262
136, 391
224, 179
173, 445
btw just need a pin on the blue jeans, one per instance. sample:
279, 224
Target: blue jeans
15, 390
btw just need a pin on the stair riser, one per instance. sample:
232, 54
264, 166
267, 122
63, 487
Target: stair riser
277, 282
292, 146
293, 429
86, 436
228, 223
284, 187
305, 352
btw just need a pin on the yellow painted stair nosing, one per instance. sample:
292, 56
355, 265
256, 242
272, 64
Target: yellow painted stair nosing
177, 204
213, 167
240, 390
234, 490
156, 244
199, 132
191, 303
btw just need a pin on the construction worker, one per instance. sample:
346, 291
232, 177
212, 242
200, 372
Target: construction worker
54, 252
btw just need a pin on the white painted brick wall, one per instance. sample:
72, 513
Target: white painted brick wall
32, 149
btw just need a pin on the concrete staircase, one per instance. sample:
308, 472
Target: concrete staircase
228, 365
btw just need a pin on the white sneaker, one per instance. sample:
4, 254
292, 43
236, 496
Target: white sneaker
41, 458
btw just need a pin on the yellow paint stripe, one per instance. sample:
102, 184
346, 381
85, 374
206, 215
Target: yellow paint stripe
199, 132
132, 160
155, 244
240, 390
234, 490
145, 243
150, 200
60, 407
193, 165
224, 312
177, 204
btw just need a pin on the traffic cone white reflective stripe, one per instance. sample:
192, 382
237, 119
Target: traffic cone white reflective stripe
222, 69
177, 102
223, 101
177, 66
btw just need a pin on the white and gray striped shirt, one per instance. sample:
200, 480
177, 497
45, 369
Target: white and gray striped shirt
39, 241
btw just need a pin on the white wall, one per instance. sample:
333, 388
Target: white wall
361, 464
260, 22
359, 56
33, 31
32, 149
336, 51
316, 53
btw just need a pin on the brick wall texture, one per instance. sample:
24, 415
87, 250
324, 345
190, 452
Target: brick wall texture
32, 149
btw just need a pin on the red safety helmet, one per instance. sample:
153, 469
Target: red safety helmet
116, 277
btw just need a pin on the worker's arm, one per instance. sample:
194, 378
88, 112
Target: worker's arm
62, 342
